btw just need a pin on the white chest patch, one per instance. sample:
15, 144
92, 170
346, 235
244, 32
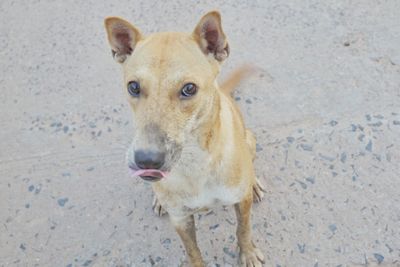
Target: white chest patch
194, 185
214, 195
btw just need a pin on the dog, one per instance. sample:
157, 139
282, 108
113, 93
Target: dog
189, 137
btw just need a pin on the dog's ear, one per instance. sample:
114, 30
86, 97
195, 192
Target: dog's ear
210, 36
122, 37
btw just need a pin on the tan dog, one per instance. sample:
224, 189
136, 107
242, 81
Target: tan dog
189, 138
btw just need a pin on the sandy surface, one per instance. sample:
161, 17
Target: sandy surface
325, 109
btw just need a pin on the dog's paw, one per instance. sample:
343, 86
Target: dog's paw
258, 191
157, 207
251, 257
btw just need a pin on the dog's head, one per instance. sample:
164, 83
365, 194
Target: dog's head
170, 82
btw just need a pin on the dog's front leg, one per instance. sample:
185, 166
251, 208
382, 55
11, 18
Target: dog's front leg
249, 254
185, 227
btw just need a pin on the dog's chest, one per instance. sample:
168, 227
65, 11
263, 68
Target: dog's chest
213, 195
196, 185
200, 180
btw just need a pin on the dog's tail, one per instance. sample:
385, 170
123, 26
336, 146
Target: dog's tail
236, 77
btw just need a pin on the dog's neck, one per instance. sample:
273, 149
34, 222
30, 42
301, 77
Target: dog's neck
209, 139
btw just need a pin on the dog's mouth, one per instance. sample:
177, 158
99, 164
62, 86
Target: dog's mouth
151, 175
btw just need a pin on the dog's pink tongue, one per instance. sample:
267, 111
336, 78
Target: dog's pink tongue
150, 172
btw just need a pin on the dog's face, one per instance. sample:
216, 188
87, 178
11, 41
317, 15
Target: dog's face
170, 81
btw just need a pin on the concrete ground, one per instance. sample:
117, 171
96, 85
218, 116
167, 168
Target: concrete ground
325, 109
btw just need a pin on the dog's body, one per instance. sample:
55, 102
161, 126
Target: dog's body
191, 141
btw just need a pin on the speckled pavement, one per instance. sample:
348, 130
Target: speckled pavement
325, 108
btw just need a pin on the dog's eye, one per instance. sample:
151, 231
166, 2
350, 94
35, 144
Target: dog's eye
188, 90
134, 89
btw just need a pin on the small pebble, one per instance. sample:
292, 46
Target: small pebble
379, 258
166, 242
290, 139
376, 124
369, 146
301, 248
213, 227
227, 251
38, 189
306, 147
62, 201
231, 222
389, 248
258, 148
87, 263
310, 179
303, 185
325, 157
343, 157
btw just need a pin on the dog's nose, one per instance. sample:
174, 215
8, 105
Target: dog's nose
146, 159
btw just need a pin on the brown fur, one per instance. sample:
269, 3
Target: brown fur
209, 151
